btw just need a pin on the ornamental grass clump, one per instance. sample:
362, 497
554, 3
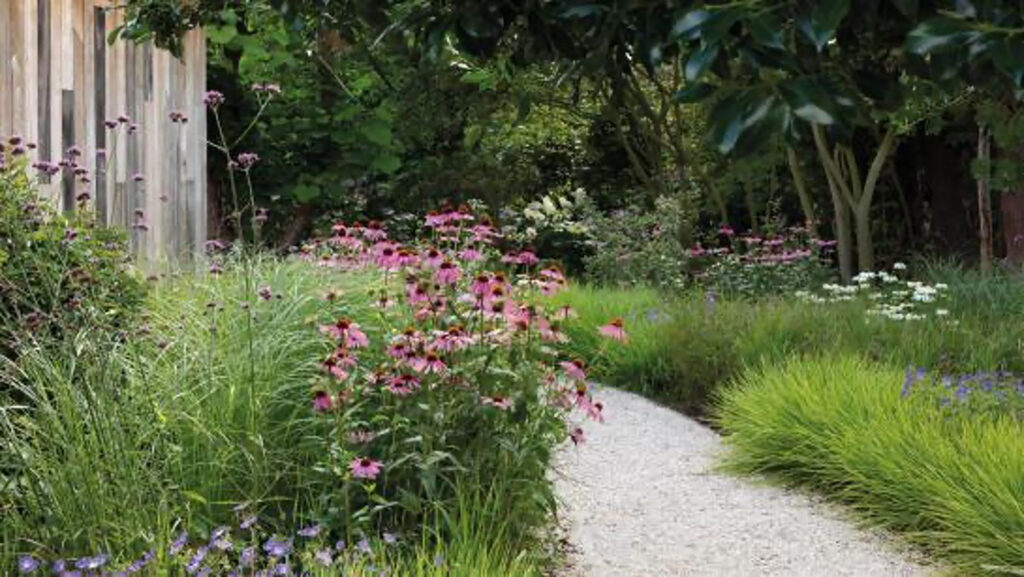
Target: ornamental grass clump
463, 376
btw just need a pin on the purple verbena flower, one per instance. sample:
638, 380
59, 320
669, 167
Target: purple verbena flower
276, 548
310, 532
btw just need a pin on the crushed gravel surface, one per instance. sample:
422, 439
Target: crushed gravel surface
642, 497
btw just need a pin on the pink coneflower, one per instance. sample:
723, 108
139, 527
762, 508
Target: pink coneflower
510, 258
454, 339
348, 333
726, 230
574, 369
334, 368
483, 232
322, 401
216, 268
471, 254
614, 331
374, 231
550, 332
577, 436
429, 363
594, 409
527, 258
417, 293
497, 401
404, 385
433, 258
448, 273
480, 285
365, 468
697, 251
265, 293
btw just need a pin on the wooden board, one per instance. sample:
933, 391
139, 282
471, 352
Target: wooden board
60, 80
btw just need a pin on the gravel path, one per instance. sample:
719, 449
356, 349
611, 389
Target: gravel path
641, 498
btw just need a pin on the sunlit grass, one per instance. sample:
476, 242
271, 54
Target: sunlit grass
838, 425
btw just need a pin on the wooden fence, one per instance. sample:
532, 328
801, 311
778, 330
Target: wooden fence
60, 80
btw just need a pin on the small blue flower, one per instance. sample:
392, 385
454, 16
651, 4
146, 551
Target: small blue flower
197, 560
310, 532
363, 545
248, 522
247, 557
323, 557
340, 545
179, 543
27, 564
277, 548
218, 533
92, 562
389, 538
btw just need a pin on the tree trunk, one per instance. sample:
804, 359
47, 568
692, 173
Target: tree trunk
800, 183
865, 245
293, 232
748, 196
984, 204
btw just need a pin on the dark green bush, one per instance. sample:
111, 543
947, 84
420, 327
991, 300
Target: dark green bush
58, 271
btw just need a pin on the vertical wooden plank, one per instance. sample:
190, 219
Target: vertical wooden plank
67, 123
81, 93
197, 194
28, 109
43, 29
6, 75
100, 107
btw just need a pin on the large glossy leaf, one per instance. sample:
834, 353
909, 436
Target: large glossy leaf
737, 114
584, 11
689, 25
809, 100
700, 61
766, 29
694, 93
907, 7
937, 34
1008, 56
820, 27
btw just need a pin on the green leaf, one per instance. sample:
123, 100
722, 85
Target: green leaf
193, 496
808, 100
584, 11
1008, 56
386, 163
689, 25
305, 192
694, 93
936, 34
376, 131
719, 24
825, 18
907, 7
221, 34
766, 30
700, 61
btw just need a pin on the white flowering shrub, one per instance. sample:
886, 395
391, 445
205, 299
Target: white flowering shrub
888, 296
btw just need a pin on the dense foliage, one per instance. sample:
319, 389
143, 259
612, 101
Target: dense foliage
58, 272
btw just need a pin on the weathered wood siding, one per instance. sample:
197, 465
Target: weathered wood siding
60, 80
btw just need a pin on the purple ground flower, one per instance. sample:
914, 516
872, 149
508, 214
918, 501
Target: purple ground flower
323, 557
247, 557
27, 564
193, 565
310, 532
276, 548
90, 563
178, 544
